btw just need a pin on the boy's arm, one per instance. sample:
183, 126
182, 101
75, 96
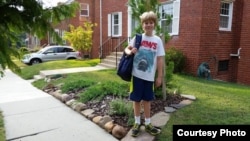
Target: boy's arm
159, 71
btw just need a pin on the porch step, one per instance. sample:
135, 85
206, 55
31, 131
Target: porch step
110, 61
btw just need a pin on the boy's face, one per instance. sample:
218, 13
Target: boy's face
148, 26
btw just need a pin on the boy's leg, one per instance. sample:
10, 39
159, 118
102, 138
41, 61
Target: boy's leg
136, 96
137, 107
147, 107
148, 97
137, 124
148, 126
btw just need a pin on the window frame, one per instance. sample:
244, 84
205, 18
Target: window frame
52, 39
230, 15
112, 24
223, 65
62, 35
175, 16
82, 8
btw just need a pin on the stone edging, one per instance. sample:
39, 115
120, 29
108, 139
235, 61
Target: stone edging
159, 120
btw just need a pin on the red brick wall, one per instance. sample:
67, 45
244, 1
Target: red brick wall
77, 20
201, 40
108, 7
189, 36
199, 36
244, 61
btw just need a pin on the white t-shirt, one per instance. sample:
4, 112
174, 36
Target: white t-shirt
145, 60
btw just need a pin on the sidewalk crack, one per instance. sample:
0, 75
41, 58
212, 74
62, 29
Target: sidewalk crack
33, 134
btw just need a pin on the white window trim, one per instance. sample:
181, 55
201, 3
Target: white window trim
52, 38
64, 41
129, 21
176, 18
229, 28
110, 26
84, 9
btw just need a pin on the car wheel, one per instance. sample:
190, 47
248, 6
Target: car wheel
35, 61
71, 58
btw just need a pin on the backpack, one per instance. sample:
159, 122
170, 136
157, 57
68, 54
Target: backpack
126, 63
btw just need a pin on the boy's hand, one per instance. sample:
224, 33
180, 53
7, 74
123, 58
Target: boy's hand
130, 50
158, 82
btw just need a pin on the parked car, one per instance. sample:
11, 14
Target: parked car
51, 53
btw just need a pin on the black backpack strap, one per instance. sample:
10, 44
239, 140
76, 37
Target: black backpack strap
138, 38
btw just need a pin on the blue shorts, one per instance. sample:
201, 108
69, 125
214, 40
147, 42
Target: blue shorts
141, 90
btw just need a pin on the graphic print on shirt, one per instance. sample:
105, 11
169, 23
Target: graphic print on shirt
144, 60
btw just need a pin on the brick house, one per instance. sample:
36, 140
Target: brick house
213, 31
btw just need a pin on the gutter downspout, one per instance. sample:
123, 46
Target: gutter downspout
100, 30
129, 21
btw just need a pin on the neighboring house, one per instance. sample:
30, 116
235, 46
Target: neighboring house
213, 31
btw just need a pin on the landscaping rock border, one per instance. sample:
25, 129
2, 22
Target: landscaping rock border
106, 122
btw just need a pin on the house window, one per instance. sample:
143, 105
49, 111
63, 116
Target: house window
226, 9
35, 41
64, 41
170, 9
52, 39
84, 10
223, 65
115, 24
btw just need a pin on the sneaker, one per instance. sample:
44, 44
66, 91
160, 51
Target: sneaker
152, 130
136, 130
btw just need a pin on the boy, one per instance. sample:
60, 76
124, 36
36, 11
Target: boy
147, 60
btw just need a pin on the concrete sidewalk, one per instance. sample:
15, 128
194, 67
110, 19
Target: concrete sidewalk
45, 73
32, 115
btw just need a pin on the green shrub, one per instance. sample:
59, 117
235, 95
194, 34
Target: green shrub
176, 56
171, 87
100, 90
35, 49
75, 85
23, 50
120, 107
169, 72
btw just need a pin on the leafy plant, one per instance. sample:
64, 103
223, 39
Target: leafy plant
23, 50
138, 7
119, 107
75, 85
80, 37
175, 55
102, 89
170, 86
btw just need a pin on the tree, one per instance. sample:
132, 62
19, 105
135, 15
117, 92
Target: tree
18, 16
80, 37
138, 7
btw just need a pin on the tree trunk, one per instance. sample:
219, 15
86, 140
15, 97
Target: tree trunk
164, 95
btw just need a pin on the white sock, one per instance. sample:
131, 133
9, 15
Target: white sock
147, 121
138, 119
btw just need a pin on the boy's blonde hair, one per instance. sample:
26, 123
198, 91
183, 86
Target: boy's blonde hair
148, 16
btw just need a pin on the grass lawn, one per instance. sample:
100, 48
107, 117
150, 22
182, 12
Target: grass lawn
217, 102
27, 72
